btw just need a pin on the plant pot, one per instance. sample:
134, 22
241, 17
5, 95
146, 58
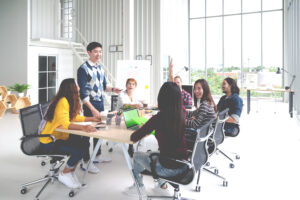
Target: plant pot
0, 97
21, 94
8, 92
8, 105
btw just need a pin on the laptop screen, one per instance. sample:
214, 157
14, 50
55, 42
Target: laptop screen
129, 115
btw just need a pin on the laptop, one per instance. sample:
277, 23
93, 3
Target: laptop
130, 117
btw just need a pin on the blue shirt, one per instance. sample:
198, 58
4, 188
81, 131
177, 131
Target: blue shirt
235, 105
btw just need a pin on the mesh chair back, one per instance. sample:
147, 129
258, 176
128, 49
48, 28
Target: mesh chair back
44, 107
30, 118
200, 153
219, 127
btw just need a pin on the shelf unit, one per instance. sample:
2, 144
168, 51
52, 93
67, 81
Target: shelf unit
15, 103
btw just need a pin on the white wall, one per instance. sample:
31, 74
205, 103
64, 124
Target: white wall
45, 17
64, 66
13, 40
174, 30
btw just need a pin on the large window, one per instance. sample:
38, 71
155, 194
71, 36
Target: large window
47, 78
241, 39
66, 17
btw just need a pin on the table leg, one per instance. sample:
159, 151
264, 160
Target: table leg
91, 159
129, 164
291, 94
248, 101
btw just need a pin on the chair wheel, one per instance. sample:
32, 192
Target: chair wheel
237, 157
23, 190
231, 165
207, 164
216, 171
110, 150
43, 163
71, 194
197, 189
225, 183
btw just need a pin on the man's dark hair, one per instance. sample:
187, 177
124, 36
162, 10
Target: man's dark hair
232, 83
93, 45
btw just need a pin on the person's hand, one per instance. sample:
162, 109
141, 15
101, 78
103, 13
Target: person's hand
94, 119
171, 65
117, 90
96, 113
89, 128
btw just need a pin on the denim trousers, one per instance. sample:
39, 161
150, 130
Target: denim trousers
141, 162
74, 146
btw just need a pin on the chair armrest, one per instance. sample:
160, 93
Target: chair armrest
171, 159
39, 136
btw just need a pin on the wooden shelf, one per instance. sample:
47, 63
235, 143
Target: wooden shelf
16, 103
2, 108
3, 92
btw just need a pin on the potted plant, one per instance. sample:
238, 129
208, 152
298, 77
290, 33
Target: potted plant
20, 88
0, 96
9, 89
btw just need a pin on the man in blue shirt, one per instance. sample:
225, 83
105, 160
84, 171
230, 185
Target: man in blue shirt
92, 83
232, 101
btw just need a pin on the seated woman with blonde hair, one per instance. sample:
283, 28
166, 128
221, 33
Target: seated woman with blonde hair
129, 97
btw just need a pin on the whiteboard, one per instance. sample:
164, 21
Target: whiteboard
140, 71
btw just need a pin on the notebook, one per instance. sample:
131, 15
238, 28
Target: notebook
130, 117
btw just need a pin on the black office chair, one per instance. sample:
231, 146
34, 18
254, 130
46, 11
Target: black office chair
44, 108
30, 118
235, 133
197, 161
214, 141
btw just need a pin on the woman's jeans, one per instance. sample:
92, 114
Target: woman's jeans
74, 146
141, 162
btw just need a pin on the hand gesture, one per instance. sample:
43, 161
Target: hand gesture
89, 128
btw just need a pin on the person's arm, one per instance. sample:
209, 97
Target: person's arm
63, 118
235, 110
146, 129
171, 78
199, 116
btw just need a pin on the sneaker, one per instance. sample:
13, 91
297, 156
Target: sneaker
132, 191
101, 159
68, 180
161, 189
75, 178
92, 168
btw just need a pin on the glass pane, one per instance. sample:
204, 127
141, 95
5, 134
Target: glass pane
214, 54
232, 6
213, 7
251, 49
251, 5
232, 47
272, 47
42, 80
51, 93
42, 63
51, 63
42, 95
197, 49
272, 4
51, 79
197, 8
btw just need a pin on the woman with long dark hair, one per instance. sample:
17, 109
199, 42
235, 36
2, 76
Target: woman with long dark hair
204, 103
64, 109
169, 128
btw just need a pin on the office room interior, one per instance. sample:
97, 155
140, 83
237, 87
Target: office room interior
255, 42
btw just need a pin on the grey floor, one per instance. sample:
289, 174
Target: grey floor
269, 146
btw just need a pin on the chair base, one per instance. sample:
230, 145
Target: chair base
237, 157
176, 196
49, 178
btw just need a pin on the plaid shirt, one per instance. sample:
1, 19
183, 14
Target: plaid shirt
91, 81
186, 98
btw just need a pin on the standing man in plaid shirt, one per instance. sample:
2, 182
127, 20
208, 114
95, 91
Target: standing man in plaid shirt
186, 97
92, 83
